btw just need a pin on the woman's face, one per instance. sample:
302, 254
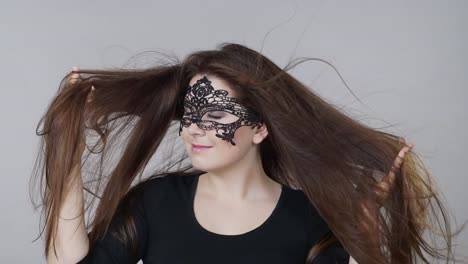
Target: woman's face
218, 153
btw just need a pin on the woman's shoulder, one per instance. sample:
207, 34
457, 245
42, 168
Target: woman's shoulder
318, 229
163, 181
158, 186
299, 200
315, 225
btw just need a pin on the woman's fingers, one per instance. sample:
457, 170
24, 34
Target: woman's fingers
384, 186
75, 76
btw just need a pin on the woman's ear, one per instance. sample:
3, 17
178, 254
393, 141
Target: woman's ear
260, 134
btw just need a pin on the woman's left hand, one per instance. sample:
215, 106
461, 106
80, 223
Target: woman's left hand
370, 207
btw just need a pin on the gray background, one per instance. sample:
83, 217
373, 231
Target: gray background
406, 60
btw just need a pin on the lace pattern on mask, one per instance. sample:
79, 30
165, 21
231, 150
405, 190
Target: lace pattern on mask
202, 97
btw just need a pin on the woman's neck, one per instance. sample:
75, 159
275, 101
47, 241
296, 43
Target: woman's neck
238, 185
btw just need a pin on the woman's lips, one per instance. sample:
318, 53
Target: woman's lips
198, 148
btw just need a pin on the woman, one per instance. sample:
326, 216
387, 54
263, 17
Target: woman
276, 174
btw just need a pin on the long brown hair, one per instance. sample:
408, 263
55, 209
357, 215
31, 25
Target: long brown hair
312, 145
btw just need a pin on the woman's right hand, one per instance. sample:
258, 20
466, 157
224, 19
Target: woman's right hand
74, 78
71, 236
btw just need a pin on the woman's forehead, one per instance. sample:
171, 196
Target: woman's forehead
216, 82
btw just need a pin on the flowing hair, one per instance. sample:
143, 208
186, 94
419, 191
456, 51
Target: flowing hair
311, 145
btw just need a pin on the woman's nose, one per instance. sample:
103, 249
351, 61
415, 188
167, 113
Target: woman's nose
194, 129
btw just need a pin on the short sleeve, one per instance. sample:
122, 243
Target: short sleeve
110, 249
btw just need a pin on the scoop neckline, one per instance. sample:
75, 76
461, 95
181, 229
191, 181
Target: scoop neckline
257, 229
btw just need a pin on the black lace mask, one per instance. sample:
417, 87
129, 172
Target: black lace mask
213, 109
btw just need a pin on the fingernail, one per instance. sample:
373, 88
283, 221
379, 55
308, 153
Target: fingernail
92, 87
75, 68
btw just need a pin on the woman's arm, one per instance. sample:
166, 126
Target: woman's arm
71, 242
125, 240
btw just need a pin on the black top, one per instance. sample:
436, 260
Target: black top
168, 232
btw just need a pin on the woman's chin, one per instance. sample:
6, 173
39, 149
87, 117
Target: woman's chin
201, 167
